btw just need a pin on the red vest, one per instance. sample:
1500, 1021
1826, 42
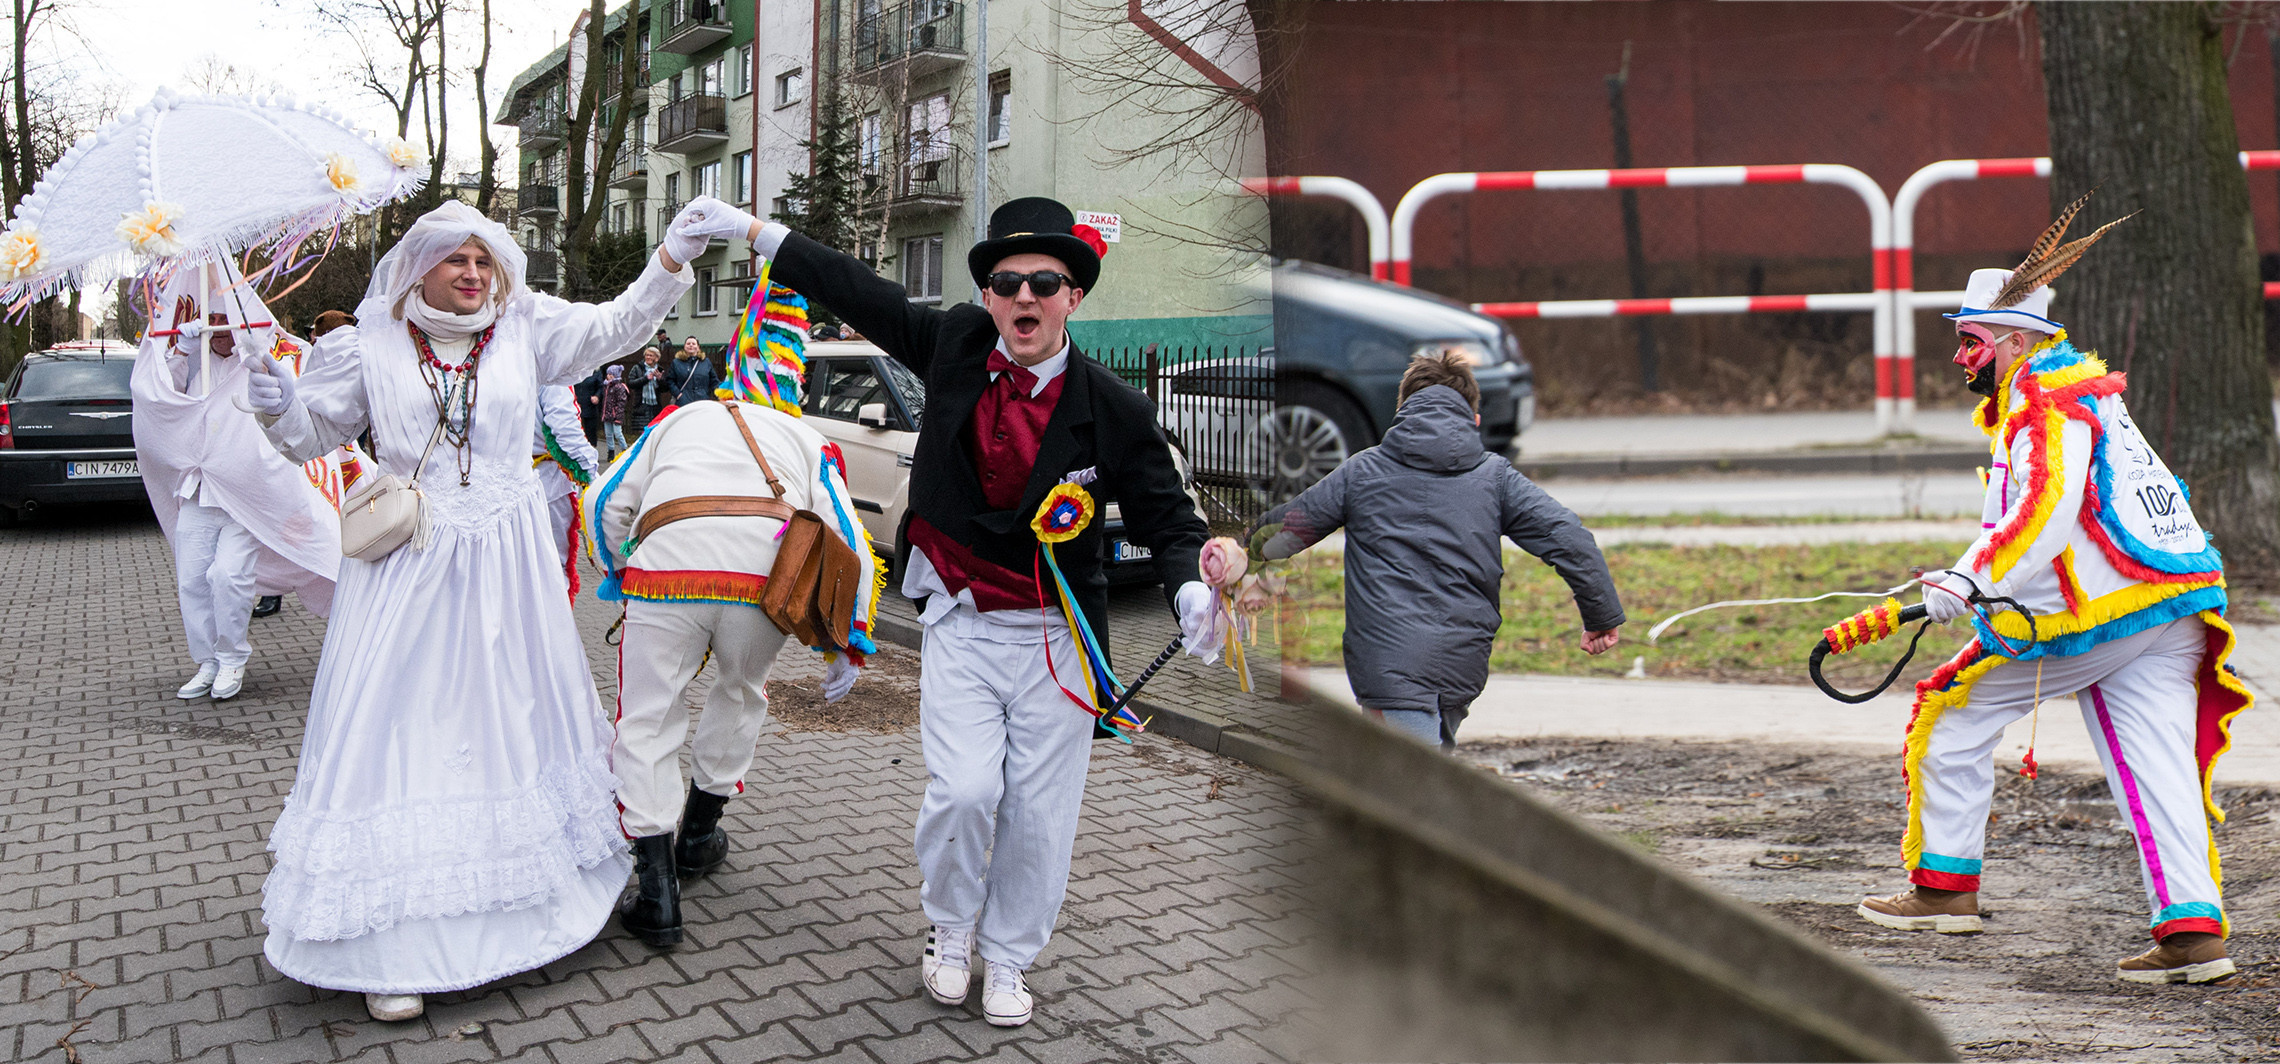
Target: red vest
1002, 440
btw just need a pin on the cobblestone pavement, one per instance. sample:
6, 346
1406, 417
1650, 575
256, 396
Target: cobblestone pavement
133, 827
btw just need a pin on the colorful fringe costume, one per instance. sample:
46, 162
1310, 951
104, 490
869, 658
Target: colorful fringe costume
2085, 527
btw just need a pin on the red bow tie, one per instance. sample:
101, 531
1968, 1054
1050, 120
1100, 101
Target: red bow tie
1024, 381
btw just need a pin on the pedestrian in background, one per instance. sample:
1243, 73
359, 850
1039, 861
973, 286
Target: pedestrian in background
1423, 513
614, 398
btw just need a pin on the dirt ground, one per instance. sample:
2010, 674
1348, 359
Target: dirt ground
1807, 832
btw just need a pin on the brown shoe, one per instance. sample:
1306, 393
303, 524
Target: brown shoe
2185, 957
1919, 909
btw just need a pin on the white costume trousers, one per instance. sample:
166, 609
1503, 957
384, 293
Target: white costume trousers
2138, 700
663, 647
1006, 754
214, 557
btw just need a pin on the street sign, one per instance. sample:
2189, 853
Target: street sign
1110, 226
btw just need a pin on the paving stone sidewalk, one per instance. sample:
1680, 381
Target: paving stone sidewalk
132, 852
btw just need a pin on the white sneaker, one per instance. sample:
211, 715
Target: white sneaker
1005, 995
394, 1008
948, 964
199, 684
228, 681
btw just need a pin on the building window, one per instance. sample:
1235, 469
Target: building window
708, 297
788, 88
1001, 97
743, 73
707, 180
740, 177
922, 268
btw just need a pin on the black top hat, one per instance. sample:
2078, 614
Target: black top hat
1035, 224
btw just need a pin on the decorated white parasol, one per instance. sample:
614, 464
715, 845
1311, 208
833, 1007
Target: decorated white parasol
194, 180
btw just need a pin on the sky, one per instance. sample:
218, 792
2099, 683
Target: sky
137, 46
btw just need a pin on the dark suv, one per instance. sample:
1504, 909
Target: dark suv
1341, 343
67, 429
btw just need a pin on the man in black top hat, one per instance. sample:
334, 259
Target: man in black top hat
1013, 411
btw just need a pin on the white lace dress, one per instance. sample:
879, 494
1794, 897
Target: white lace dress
452, 818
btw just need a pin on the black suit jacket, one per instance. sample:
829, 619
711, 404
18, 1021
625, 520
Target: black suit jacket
1100, 424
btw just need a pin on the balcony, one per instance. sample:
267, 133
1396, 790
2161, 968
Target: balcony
694, 25
542, 129
542, 199
929, 36
933, 179
632, 171
544, 267
692, 124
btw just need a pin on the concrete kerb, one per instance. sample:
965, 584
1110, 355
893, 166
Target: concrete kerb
1236, 742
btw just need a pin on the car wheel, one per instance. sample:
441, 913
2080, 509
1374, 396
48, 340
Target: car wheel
1313, 429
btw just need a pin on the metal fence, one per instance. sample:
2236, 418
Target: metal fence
1215, 403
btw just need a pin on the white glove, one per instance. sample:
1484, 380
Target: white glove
1199, 618
186, 341
268, 386
1944, 595
703, 219
839, 678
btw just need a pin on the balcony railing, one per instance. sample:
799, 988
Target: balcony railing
693, 25
929, 34
632, 170
543, 129
692, 124
544, 267
538, 199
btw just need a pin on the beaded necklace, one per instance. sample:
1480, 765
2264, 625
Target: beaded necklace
453, 388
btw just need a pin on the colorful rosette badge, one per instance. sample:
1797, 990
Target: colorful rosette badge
1067, 509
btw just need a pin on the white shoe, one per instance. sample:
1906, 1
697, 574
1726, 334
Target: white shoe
228, 681
394, 1008
948, 965
199, 684
1005, 996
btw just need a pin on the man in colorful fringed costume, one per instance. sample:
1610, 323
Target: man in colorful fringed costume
1020, 430
685, 527
2086, 530
242, 520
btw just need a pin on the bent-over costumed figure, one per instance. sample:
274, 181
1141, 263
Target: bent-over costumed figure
451, 819
2086, 529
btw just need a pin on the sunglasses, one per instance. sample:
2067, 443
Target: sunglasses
1044, 283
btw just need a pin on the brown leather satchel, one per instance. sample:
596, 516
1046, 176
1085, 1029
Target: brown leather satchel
811, 590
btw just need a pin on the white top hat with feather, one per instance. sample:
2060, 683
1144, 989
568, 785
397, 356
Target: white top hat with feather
2021, 297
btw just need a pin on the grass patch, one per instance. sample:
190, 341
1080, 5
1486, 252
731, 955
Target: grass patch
1756, 644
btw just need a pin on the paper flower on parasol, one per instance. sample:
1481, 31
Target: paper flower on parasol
195, 178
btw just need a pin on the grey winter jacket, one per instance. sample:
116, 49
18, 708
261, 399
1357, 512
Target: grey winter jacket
1423, 511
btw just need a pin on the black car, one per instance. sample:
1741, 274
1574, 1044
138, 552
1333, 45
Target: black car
67, 429
1342, 341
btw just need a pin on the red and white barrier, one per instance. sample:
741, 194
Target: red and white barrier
1895, 381
1338, 188
1905, 299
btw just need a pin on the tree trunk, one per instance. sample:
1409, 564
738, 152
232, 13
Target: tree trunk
2139, 109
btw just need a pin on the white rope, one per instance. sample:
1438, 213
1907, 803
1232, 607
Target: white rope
1656, 632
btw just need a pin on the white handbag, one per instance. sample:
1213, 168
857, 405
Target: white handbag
386, 511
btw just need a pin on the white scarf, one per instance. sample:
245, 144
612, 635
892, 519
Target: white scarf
447, 327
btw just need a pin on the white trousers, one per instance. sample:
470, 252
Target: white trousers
1006, 754
663, 647
214, 558
2138, 700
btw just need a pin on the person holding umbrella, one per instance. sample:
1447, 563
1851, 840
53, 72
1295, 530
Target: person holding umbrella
451, 819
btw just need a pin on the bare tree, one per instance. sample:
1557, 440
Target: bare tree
2139, 109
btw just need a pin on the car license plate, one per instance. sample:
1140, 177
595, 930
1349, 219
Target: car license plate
123, 467
1132, 552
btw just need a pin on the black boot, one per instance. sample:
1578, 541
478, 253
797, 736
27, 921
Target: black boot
703, 844
653, 913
